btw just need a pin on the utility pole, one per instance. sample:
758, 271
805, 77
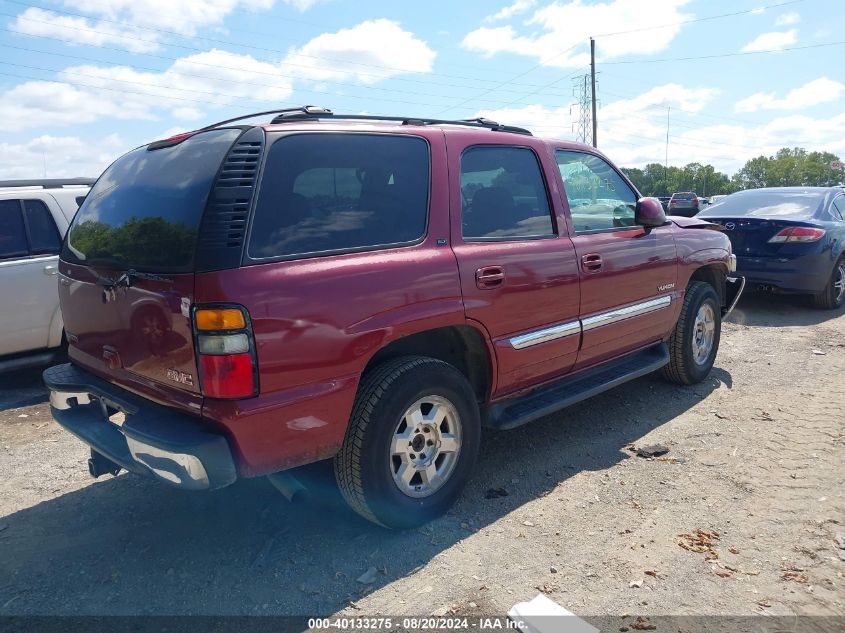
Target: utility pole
593, 75
666, 164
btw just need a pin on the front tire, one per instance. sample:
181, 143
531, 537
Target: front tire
833, 295
695, 340
411, 443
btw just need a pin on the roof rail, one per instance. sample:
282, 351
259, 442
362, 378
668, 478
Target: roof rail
314, 113
48, 183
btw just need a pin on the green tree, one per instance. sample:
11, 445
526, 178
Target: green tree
789, 167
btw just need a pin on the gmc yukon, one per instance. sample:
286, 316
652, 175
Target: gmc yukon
246, 299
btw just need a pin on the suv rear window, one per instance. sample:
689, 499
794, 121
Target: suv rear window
684, 195
145, 210
340, 192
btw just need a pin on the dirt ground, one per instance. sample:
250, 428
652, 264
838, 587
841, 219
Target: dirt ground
740, 517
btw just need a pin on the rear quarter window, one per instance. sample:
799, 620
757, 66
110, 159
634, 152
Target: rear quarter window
328, 193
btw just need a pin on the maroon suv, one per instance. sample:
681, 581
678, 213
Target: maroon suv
245, 299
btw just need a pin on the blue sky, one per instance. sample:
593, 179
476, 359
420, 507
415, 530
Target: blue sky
82, 81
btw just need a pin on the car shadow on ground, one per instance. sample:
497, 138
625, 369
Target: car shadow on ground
127, 545
22, 389
761, 309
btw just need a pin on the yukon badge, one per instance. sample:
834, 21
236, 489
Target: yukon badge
665, 287
180, 376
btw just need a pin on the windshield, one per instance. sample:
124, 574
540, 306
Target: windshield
144, 211
766, 204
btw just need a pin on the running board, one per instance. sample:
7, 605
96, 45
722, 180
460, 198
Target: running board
546, 400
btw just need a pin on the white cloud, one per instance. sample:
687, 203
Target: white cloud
774, 40
83, 94
368, 52
61, 156
821, 90
127, 23
788, 19
76, 30
519, 6
556, 27
633, 132
301, 5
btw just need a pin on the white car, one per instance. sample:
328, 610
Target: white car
34, 217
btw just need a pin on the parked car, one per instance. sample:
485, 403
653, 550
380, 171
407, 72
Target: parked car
788, 239
34, 215
684, 203
664, 201
368, 289
717, 198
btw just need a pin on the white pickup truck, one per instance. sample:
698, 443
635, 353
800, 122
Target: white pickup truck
34, 216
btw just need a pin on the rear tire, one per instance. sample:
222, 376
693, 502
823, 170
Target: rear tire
695, 340
411, 443
833, 295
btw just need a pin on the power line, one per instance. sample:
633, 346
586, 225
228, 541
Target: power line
215, 93
691, 21
200, 50
346, 62
260, 84
740, 54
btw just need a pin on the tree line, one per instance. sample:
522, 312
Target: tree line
788, 167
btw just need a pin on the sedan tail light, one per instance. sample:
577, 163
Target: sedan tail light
797, 234
225, 352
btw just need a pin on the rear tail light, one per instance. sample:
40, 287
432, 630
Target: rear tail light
225, 352
695, 200
797, 234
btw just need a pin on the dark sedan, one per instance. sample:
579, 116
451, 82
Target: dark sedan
788, 239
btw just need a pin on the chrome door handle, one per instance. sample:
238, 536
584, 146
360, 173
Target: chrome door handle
51, 269
591, 263
489, 277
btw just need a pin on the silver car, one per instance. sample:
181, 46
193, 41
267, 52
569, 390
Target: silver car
34, 216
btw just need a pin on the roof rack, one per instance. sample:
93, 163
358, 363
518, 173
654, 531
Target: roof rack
314, 113
48, 183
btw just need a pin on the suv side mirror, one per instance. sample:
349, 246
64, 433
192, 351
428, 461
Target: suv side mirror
649, 213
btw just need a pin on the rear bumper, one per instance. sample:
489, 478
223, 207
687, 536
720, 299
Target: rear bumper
153, 440
808, 274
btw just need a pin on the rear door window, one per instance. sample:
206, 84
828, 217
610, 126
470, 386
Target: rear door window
43, 235
12, 230
329, 193
504, 195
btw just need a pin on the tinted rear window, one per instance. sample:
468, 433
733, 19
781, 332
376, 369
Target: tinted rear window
339, 192
684, 196
765, 204
145, 210
12, 231
43, 234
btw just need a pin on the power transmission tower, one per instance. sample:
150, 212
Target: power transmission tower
583, 92
593, 91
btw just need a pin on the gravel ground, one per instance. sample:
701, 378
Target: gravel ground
740, 517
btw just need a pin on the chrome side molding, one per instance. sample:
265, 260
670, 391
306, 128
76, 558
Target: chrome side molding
548, 334
577, 327
620, 314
